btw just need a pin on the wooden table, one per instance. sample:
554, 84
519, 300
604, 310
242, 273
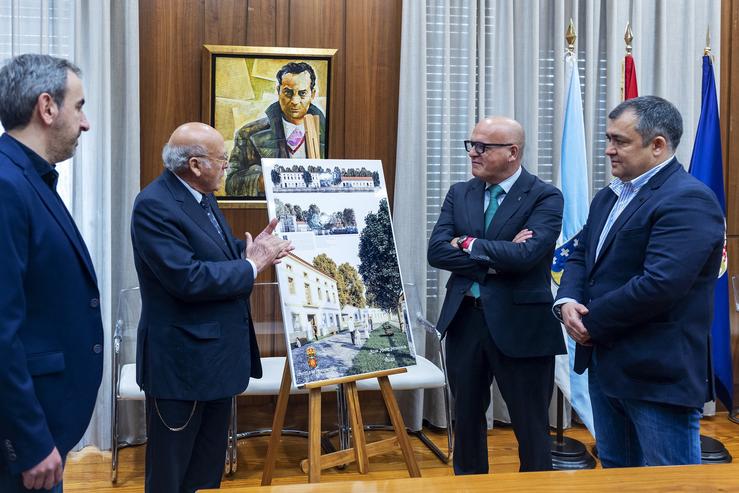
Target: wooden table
715, 477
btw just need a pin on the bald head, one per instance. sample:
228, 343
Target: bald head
193, 133
506, 128
196, 152
500, 142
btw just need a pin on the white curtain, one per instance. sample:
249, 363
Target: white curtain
106, 168
101, 181
462, 60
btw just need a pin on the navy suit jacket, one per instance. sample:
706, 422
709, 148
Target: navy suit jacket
51, 332
517, 297
195, 338
650, 292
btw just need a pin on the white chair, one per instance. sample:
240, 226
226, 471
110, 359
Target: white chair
424, 375
123, 372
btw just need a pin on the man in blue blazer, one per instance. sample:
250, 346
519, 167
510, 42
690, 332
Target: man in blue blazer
637, 293
196, 346
496, 235
51, 333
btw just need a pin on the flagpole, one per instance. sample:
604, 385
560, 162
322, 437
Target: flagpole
568, 453
628, 38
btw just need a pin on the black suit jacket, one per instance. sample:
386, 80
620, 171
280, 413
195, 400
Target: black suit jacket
650, 291
517, 297
51, 331
195, 339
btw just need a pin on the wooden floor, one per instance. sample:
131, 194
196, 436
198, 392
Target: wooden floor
89, 470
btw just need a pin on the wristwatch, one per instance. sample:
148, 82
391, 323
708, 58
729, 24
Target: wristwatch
464, 242
460, 241
557, 309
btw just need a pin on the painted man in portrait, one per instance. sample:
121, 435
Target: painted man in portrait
280, 134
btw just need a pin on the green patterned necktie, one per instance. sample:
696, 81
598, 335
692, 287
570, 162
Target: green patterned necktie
493, 192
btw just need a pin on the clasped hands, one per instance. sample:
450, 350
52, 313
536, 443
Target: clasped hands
572, 314
267, 249
521, 237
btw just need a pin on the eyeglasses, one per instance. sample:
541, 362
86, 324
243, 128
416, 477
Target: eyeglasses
481, 147
218, 160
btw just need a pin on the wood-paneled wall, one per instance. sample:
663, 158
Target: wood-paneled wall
365, 95
364, 110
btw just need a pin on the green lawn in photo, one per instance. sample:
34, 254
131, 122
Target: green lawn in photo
382, 352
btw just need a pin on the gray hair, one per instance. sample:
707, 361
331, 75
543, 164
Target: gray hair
175, 157
24, 78
656, 117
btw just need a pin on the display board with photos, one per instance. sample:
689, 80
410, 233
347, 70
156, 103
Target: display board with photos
341, 290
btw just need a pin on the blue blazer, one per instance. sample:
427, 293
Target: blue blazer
517, 297
51, 332
650, 292
196, 339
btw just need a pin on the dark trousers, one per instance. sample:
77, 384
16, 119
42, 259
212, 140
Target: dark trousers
525, 383
193, 458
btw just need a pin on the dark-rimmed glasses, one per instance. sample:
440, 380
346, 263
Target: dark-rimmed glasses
481, 147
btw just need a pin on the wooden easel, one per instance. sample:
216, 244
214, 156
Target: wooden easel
361, 451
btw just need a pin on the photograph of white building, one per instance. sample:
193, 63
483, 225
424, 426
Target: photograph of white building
311, 301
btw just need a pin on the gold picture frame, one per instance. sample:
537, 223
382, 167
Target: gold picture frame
241, 98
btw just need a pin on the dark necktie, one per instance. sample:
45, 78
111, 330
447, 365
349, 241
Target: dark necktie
493, 192
205, 202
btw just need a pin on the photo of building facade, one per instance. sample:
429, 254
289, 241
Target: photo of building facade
311, 299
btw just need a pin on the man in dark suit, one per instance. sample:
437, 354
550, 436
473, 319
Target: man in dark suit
51, 333
196, 344
637, 293
281, 134
496, 234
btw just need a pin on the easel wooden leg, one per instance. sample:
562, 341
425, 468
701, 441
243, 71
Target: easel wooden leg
355, 414
277, 423
314, 435
397, 420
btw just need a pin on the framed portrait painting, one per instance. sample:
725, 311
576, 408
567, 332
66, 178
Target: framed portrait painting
267, 103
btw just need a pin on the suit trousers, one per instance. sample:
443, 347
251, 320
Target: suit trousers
526, 385
189, 459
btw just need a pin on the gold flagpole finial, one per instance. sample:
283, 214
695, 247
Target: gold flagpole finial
707, 49
628, 38
571, 36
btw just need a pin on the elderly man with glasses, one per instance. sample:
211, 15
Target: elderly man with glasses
496, 235
196, 342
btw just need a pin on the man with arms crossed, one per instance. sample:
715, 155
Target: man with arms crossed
196, 342
51, 332
496, 234
637, 293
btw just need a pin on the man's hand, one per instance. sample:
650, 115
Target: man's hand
572, 314
523, 235
454, 243
46, 474
266, 249
269, 229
